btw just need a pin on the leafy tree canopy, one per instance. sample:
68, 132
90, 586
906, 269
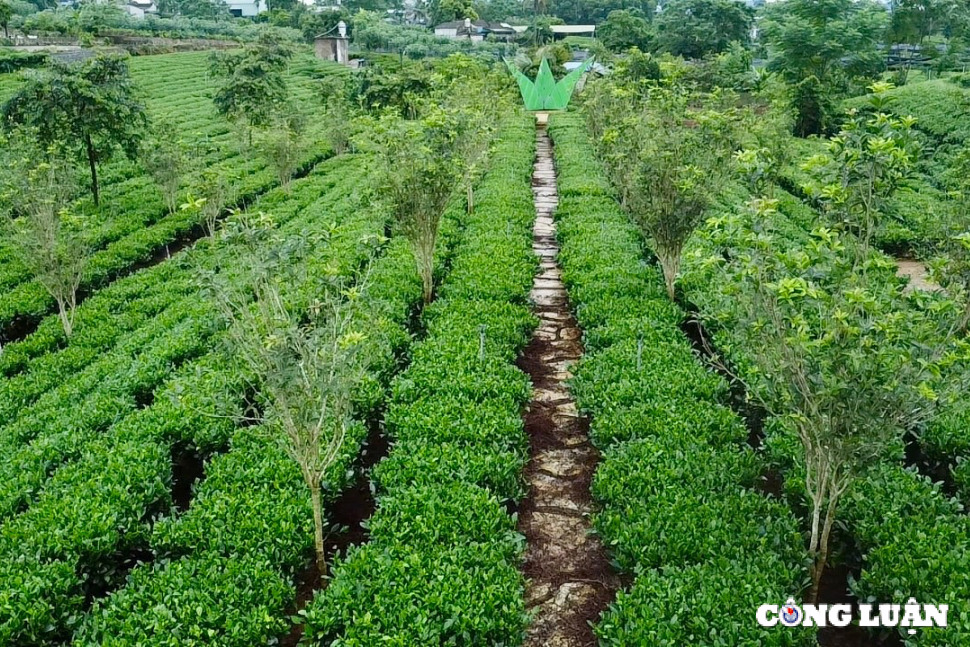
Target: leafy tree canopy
821, 37
624, 29
88, 108
699, 28
194, 8
6, 13
817, 45
440, 11
502, 10
594, 12
912, 21
253, 86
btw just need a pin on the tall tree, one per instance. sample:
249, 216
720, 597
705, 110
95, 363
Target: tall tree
863, 167
253, 83
832, 352
6, 13
667, 155
699, 28
912, 21
41, 230
422, 169
818, 45
89, 108
303, 355
625, 29
284, 145
166, 161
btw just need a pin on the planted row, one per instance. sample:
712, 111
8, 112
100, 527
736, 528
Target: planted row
254, 501
677, 481
92, 520
441, 563
133, 224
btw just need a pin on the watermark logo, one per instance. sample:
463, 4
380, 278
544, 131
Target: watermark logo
912, 615
790, 614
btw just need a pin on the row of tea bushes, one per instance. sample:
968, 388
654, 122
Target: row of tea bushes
677, 481
945, 444
224, 571
132, 224
56, 427
235, 553
912, 539
92, 518
441, 563
915, 542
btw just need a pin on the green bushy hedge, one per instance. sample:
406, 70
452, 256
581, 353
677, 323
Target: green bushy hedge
94, 514
704, 604
441, 566
132, 223
915, 543
676, 480
671, 502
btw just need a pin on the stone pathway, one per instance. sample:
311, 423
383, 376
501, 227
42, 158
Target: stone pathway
570, 580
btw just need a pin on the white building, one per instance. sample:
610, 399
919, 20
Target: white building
561, 31
138, 8
475, 31
246, 8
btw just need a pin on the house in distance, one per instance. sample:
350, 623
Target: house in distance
476, 30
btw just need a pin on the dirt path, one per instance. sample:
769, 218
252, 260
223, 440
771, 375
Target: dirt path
916, 272
570, 580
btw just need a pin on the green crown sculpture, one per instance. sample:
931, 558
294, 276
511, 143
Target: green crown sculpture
545, 93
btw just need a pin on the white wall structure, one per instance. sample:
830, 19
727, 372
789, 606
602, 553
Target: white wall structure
246, 8
138, 8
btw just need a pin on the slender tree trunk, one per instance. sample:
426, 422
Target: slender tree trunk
318, 528
427, 282
424, 257
813, 546
66, 319
823, 548
470, 198
92, 162
823, 497
670, 263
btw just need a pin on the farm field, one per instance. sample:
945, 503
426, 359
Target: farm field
131, 436
294, 354
133, 225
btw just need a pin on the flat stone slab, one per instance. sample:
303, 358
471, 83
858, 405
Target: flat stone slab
547, 297
549, 395
563, 462
559, 539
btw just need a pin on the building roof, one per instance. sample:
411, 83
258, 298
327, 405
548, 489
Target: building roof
572, 29
478, 26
